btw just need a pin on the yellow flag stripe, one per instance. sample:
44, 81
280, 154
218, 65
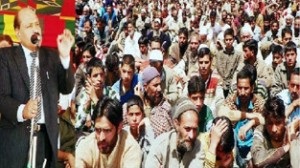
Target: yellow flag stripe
9, 27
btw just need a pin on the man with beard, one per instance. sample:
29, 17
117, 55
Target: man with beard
180, 146
179, 49
297, 30
272, 141
264, 72
228, 60
109, 145
190, 58
271, 35
168, 81
244, 109
93, 92
156, 107
88, 36
129, 79
283, 71
291, 96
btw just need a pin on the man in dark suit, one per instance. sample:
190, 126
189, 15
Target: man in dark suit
16, 107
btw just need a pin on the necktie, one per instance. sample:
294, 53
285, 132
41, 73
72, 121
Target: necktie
35, 84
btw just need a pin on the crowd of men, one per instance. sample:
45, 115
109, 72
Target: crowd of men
179, 83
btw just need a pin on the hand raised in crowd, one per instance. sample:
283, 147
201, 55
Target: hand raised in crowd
291, 130
64, 43
88, 121
91, 92
31, 108
138, 90
216, 133
178, 79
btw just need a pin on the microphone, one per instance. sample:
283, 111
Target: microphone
35, 38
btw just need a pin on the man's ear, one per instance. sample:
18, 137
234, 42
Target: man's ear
176, 123
120, 127
17, 33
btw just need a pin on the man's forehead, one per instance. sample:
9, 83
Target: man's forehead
126, 67
295, 79
134, 108
27, 16
189, 119
155, 80
103, 122
243, 81
97, 70
198, 94
26, 12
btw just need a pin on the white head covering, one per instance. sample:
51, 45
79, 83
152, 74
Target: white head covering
247, 29
203, 31
156, 55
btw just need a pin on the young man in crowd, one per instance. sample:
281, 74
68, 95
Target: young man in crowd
283, 71
272, 141
109, 145
244, 109
93, 92
264, 72
291, 96
275, 57
139, 125
228, 60
196, 93
129, 79
213, 83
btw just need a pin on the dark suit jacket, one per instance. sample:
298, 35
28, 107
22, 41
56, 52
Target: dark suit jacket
14, 90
